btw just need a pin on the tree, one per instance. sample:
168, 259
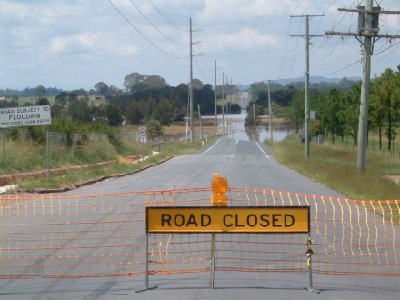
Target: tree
154, 81
42, 101
61, 99
348, 114
327, 108
40, 91
132, 82
78, 109
136, 82
165, 110
113, 115
205, 97
150, 111
134, 114
295, 111
197, 84
385, 103
154, 127
101, 88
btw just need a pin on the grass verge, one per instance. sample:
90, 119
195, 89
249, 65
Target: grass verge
77, 178
337, 169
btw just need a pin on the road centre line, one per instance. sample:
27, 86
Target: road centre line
266, 155
234, 150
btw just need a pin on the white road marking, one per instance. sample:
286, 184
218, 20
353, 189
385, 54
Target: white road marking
211, 147
234, 150
266, 155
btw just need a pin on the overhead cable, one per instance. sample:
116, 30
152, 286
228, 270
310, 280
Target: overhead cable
141, 33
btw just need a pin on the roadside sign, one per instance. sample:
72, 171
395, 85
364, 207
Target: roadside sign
25, 116
234, 219
142, 131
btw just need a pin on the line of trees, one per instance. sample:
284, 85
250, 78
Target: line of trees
146, 98
337, 111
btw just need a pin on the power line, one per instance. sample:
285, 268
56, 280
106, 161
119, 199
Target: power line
201, 71
297, 6
295, 49
141, 33
152, 25
375, 54
165, 18
284, 52
344, 68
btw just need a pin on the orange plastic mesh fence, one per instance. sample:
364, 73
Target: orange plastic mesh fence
104, 235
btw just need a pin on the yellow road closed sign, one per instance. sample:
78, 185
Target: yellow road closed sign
237, 219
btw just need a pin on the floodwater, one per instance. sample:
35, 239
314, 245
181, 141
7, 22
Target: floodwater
235, 129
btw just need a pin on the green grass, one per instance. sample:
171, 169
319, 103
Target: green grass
337, 168
89, 154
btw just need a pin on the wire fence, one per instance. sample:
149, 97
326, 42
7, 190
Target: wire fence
104, 235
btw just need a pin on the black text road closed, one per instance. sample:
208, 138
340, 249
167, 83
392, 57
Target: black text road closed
240, 219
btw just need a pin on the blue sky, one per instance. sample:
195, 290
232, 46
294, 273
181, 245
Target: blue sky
73, 44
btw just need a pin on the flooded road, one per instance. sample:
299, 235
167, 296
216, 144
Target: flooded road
236, 129
234, 126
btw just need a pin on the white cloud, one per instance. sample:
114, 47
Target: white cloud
79, 42
238, 9
244, 39
89, 43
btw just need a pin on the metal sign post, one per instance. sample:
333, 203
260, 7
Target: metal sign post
212, 262
142, 134
309, 254
146, 275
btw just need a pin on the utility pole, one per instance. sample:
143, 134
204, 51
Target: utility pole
191, 84
215, 97
223, 102
307, 37
270, 114
367, 35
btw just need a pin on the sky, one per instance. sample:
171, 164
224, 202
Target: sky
73, 44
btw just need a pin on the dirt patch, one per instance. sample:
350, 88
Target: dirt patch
394, 178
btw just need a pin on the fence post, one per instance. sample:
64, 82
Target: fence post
309, 254
48, 151
212, 262
146, 275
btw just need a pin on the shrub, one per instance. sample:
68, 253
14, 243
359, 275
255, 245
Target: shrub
154, 127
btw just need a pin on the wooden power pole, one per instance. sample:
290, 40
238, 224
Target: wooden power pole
191, 85
367, 35
307, 37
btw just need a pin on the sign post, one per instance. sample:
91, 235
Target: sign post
142, 134
27, 116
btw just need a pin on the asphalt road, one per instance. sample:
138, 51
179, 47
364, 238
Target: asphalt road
245, 164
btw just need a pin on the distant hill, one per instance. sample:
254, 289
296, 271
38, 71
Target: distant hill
29, 92
313, 80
